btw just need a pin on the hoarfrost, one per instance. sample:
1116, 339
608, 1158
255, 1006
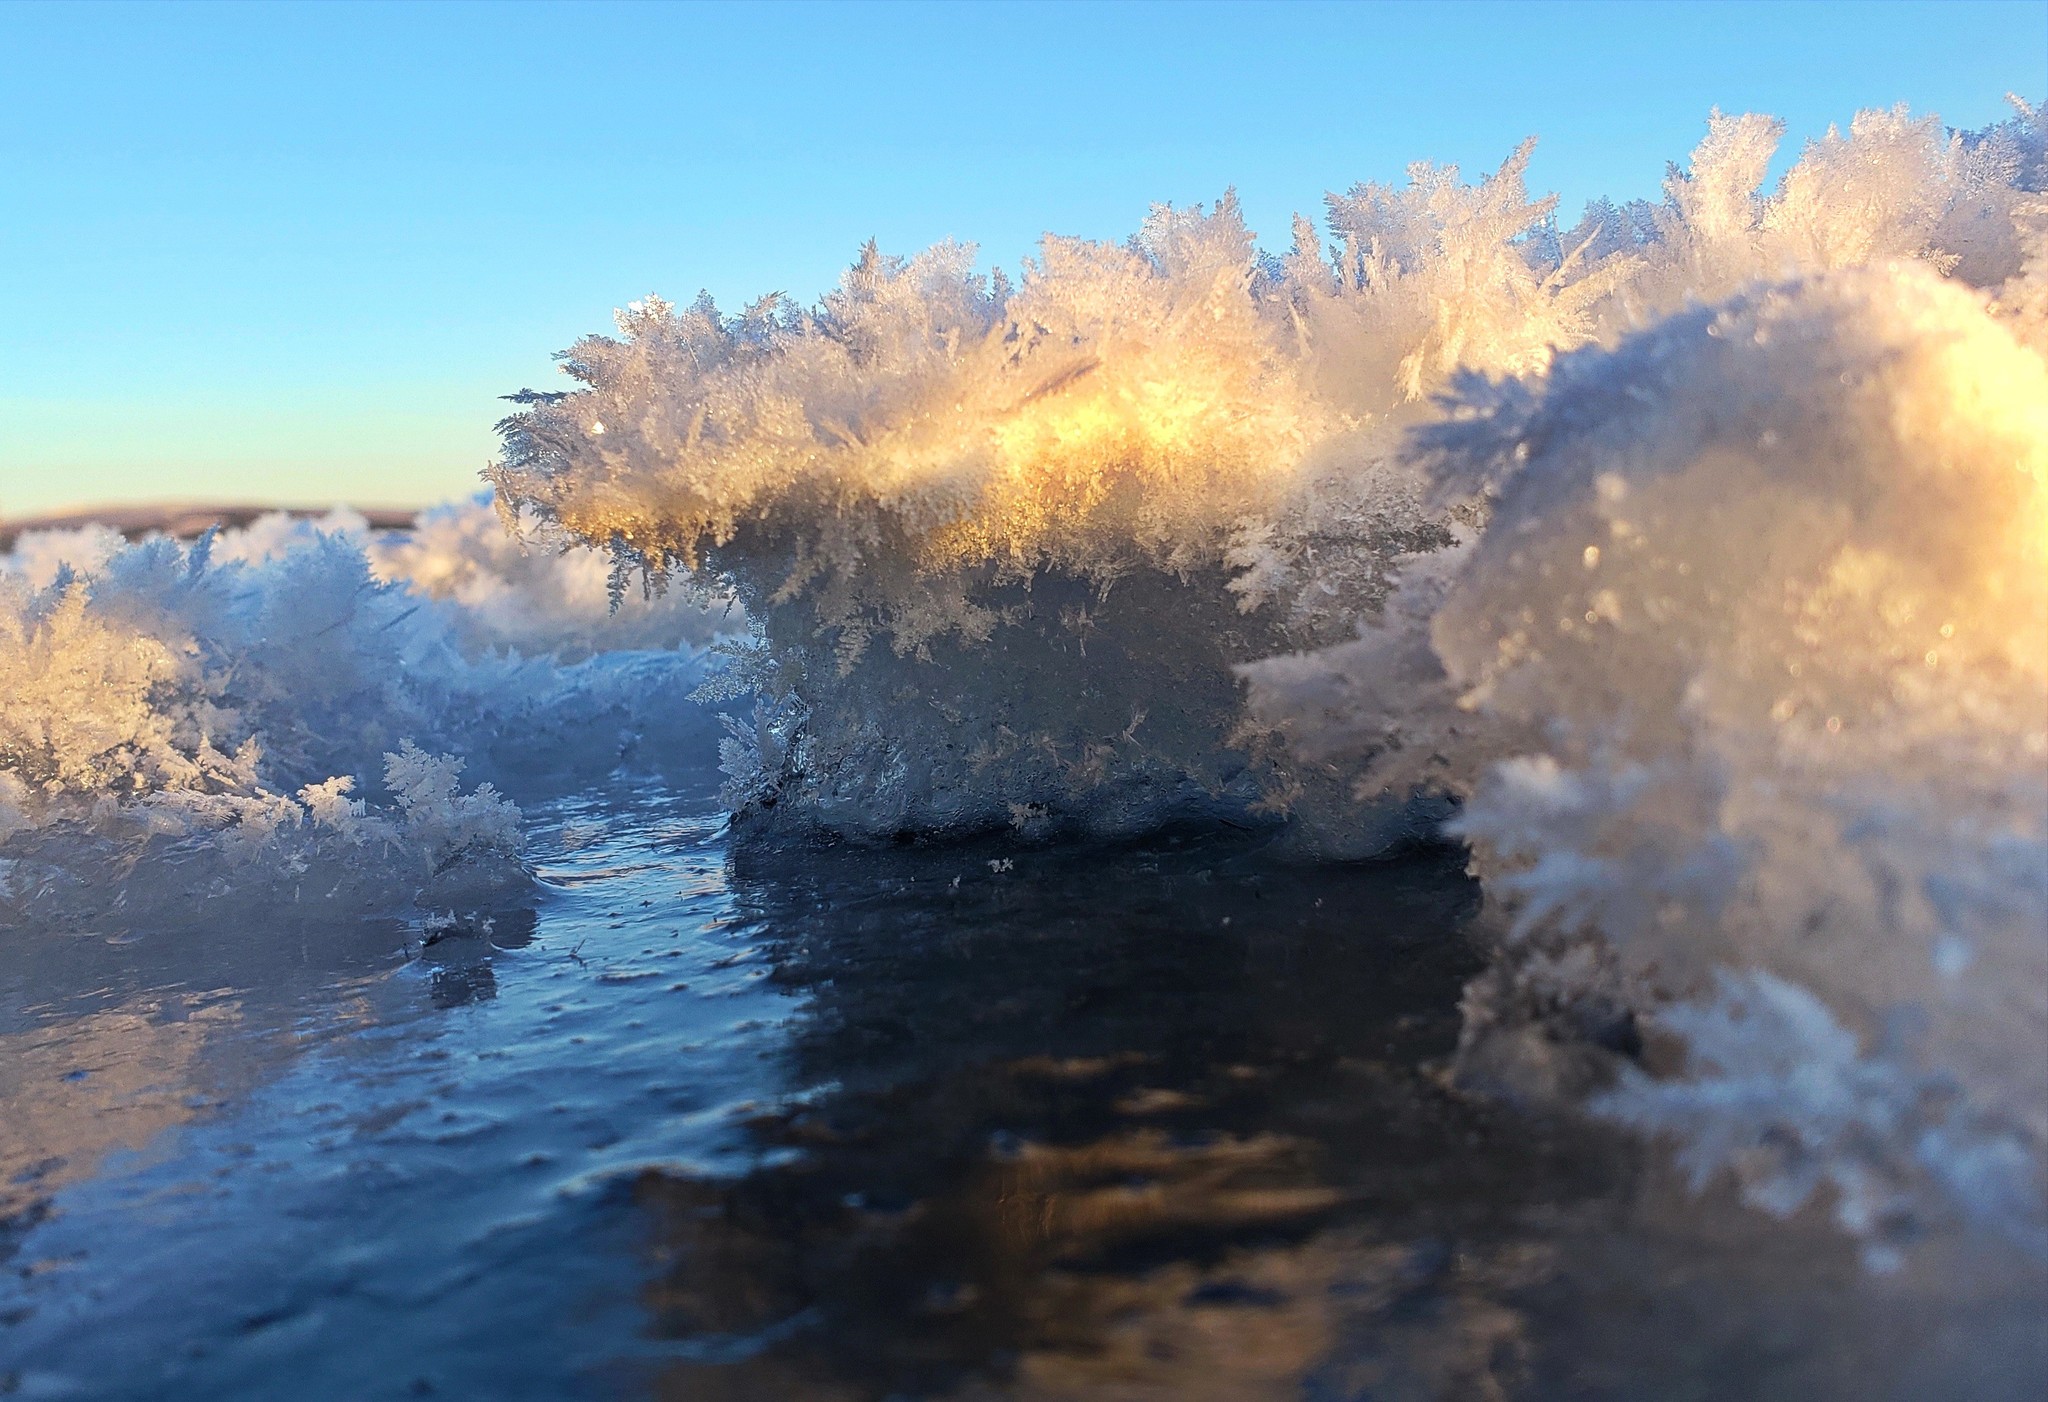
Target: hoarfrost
979, 526
183, 725
1749, 671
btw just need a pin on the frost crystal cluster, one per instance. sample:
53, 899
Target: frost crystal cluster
1004, 545
1695, 553
285, 712
1749, 671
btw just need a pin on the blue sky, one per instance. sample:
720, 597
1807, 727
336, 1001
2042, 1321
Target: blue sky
293, 253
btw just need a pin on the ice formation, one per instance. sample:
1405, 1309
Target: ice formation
1748, 672
1695, 551
513, 585
1004, 545
1745, 686
286, 709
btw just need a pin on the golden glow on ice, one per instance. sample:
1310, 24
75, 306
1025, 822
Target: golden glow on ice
1979, 405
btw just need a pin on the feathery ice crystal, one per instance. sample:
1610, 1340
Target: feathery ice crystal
182, 728
1004, 545
1749, 671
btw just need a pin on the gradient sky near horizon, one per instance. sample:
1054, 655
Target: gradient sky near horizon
293, 253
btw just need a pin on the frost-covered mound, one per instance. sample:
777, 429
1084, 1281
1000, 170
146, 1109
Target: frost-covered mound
1004, 545
1747, 682
960, 517
260, 716
511, 584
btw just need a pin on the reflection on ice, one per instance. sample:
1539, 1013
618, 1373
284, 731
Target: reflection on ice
369, 1158
1164, 1121
112, 1080
1174, 1160
1173, 1123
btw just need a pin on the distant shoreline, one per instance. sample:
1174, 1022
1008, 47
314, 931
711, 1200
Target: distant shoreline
184, 520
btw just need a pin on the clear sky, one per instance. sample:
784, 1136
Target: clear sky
293, 253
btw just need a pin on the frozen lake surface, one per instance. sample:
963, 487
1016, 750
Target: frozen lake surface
1159, 1121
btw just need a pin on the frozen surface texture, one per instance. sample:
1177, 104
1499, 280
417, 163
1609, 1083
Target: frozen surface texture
1159, 1121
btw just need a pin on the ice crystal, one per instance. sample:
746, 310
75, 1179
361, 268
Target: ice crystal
981, 525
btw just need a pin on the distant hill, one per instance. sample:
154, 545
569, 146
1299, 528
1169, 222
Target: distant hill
183, 519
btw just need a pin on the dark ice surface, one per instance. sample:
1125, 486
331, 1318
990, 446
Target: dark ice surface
1163, 1121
